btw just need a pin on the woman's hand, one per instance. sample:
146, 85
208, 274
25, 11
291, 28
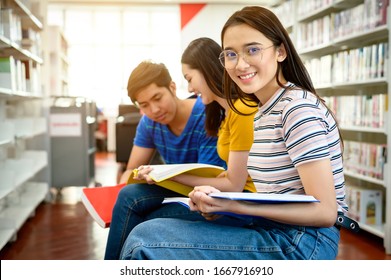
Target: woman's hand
201, 201
142, 172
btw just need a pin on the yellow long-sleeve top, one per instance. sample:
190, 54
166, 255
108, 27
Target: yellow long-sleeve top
236, 134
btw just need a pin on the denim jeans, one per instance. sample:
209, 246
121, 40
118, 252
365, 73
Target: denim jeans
135, 204
169, 239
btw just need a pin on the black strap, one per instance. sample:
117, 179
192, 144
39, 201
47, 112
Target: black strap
346, 222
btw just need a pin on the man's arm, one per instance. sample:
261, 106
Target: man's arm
138, 156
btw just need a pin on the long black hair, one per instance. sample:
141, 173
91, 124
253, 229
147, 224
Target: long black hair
202, 54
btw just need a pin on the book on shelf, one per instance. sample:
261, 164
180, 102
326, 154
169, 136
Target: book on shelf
8, 73
365, 205
249, 197
100, 201
161, 174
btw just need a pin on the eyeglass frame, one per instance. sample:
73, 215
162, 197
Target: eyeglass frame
244, 56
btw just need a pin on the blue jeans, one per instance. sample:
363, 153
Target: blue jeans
135, 204
169, 239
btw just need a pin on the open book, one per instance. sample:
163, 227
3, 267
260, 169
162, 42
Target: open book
161, 174
250, 197
265, 197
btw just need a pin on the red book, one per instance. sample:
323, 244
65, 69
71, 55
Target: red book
100, 201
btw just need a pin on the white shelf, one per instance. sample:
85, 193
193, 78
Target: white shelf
363, 129
5, 92
27, 166
352, 40
58, 47
31, 20
11, 48
327, 9
24, 139
35, 193
365, 178
24, 168
7, 183
7, 135
6, 235
375, 230
29, 127
40, 159
20, 209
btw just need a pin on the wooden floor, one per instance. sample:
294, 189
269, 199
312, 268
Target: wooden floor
63, 230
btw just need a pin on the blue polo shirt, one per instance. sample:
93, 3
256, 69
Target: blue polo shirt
191, 146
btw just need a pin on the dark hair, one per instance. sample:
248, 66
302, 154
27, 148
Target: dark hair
202, 54
293, 69
145, 74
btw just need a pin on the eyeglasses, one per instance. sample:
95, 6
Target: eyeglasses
251, 54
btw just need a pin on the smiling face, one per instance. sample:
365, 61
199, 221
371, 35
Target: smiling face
255, 75
197, 84
158, 103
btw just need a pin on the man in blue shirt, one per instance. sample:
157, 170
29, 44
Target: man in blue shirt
171, 126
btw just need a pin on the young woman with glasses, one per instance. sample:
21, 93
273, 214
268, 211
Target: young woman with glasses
297, 149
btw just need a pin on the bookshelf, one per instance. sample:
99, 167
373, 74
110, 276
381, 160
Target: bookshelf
24, 167
58, 61
345, 45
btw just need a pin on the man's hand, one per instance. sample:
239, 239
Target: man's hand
141, 173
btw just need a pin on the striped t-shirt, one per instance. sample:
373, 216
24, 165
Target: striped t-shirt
191, 146
292, 128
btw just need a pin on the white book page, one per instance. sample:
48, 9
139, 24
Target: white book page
261, 197
182, 200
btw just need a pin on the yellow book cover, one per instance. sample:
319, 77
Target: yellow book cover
161, 173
